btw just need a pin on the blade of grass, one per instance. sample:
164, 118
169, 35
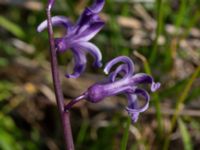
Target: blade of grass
192, 22
82, 132
181, 14
126, 133
185, 135
175, 40
11, 27
194, 94
179, 105
116, 39
179, 20
158, 29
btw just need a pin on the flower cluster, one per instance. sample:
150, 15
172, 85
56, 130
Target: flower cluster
78, 35
120, 81
127, 85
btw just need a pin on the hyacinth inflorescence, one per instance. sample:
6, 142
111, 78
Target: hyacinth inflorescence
78, 35
77, 40
127, 84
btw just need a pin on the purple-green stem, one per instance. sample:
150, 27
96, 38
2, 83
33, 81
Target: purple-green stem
74, 101
65, 116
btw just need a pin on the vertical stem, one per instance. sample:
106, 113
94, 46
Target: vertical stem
65, 117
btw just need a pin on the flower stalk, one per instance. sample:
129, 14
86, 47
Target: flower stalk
65, 116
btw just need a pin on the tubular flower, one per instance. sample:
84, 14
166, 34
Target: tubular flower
78, 35
127, 85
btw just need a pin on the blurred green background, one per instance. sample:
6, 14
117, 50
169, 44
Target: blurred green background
161, 36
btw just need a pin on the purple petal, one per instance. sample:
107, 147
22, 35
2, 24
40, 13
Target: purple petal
84, 20
61, 44
97, 6
143, 93
120, 69
80, 63
89, 16
93, 50
124, 59
120, 90
56, 21
144, 78
134, 116
90, 31
132, 108
155, 86
132, 100
132, 103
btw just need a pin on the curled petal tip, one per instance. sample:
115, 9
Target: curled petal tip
105, 71
134, 117
126, 60
97, 6
98, 64
56, 21
155, 86
68, 76
38, 29
41, 26
73, 76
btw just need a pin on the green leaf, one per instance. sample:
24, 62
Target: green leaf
185, 135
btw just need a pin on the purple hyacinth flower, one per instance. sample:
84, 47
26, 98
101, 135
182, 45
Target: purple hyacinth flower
78, 35
127, 85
